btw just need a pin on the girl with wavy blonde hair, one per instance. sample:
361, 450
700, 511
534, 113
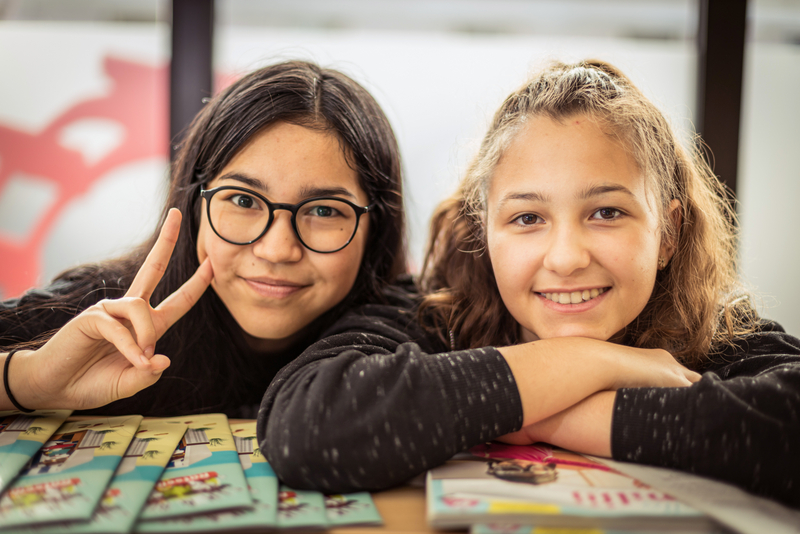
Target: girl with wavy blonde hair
697, 302
582, 217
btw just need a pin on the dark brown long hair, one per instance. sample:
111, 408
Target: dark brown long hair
696, 302
296, 92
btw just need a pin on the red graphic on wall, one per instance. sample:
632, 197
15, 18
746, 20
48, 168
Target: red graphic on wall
137, 102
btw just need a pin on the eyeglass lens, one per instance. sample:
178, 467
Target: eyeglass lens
323, 225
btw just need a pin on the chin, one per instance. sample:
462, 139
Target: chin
577, 331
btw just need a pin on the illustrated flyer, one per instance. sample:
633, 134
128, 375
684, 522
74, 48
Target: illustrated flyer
137, 473
351, 509
204, 474
541, 486
263, 485
22, 435
66, 478
301, 508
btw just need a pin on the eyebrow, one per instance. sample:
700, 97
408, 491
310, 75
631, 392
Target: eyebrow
589, 192
305, 192
532, 196
255, 183
602, 189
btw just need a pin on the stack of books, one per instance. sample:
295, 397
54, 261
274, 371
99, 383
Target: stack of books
128, 474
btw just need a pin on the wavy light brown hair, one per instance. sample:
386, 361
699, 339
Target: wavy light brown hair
696, 303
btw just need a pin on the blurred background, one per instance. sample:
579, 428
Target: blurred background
85, 103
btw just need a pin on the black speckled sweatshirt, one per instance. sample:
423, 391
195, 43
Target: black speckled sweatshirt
376, 402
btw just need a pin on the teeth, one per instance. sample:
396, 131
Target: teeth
576, 297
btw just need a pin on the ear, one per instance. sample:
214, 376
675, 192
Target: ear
670, 243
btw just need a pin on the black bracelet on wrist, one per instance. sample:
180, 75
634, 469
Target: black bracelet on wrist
5, 384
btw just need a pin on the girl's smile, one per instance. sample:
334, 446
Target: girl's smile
274, 288
572, 231
573, 301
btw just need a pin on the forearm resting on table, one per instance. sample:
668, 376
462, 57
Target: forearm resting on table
584, 427
554, 374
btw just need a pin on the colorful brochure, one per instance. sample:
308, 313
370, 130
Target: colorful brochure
204, 474
137, 473
351, 509
66, 478
21, 436
263, 485
527, 529
540, 486
300, 508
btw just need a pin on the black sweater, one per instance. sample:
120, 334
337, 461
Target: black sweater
377, 401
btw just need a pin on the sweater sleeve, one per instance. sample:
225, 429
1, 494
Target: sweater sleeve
375, 403
740, 423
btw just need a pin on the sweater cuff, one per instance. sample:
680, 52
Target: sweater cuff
650, 425
481, 393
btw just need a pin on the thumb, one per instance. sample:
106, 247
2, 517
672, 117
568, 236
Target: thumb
133, 380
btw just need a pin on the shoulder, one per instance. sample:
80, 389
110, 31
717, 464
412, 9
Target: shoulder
394, 318
767, 344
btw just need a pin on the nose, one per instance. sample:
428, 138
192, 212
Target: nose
280, 244
567, 250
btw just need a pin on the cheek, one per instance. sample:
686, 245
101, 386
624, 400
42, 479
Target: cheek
340, 269
513, 264
219, 252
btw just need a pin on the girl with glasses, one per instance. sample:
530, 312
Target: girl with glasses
285, 198
584, 252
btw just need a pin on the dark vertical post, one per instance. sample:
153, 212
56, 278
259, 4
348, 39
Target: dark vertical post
191, 77
720, 62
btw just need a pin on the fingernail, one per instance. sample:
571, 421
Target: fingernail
149, 351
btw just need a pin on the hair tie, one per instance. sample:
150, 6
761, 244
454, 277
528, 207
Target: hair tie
5, 384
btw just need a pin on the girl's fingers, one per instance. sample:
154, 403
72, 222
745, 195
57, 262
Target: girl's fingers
155, 265
118, 335
177, 304
136, 311
134, 380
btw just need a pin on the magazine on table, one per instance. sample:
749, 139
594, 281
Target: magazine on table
22, 435
204, 474
351, 509
542, 486
261, 481
301, 508
66, 478
136, 474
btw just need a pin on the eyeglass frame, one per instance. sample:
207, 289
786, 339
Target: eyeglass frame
274, 206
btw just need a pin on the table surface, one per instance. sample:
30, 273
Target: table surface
402, 509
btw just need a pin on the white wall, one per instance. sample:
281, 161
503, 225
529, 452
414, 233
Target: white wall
438, 89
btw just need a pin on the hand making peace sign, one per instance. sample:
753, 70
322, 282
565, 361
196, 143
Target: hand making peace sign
108, 351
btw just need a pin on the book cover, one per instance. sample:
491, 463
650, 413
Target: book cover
527, 529
542, 486
22, 435
66, 478
301, 508
204, 474
351, 509
136, 474
261, 481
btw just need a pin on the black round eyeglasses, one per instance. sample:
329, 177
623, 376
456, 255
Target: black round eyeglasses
241, 216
